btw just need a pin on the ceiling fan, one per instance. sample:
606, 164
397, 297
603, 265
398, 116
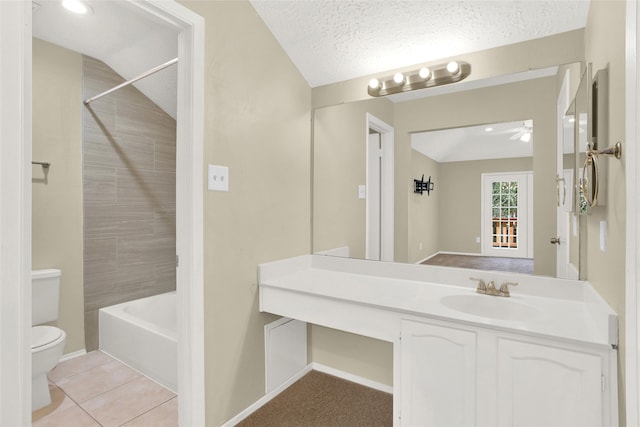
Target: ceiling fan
524, 133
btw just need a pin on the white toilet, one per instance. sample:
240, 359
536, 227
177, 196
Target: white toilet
47, 342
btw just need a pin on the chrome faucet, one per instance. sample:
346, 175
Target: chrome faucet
490, 289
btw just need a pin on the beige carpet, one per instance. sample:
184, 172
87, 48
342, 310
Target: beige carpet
514, 265
321, 400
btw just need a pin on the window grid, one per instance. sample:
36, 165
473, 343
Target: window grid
504, 209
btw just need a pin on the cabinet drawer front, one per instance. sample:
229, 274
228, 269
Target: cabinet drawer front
547, 386
437, 375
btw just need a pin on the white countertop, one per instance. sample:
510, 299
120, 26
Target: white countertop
555, 308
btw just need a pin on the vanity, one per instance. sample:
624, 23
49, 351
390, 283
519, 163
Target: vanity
544, 356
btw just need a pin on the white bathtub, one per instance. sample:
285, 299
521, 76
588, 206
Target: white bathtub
143, 334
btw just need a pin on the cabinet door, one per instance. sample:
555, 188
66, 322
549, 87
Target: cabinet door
547, 386
437, 375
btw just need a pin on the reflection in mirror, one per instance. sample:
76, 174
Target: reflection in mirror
340, 171
485, 186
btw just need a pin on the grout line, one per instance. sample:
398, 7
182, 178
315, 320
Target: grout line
151, 409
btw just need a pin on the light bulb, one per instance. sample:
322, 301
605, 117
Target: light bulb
398, 78
425, 73
489, 129
526, 137
374, 84
453, 67
77, 6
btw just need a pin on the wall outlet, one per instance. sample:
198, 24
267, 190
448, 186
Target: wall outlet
362, 191
477, 240
420, 246
218, 178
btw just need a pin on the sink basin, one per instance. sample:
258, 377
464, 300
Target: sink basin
490, 306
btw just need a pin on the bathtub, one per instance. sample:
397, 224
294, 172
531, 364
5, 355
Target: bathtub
142, 334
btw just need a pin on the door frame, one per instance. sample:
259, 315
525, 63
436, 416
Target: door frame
387, 201
632, 161
15, 208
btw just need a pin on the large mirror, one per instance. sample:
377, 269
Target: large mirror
372, 152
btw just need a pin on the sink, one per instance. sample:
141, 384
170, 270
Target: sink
490, 306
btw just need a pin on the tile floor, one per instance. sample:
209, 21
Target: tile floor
96, 390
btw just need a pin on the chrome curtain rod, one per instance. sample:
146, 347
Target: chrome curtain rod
133, 80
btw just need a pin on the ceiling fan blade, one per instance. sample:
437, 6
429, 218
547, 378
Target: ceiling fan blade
518, 135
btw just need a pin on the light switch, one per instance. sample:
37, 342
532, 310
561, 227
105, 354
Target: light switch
218, 178
362, 191
603, 236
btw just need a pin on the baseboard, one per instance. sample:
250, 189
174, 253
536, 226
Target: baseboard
351, 377
313, 366
73, 355
266, 398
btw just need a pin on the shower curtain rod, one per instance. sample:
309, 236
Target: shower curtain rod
133, 80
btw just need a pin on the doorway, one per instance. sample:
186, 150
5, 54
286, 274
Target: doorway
379, 190
506, 209
15, 156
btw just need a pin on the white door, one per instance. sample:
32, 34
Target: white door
505, 214
564, 183
374, 196
379, 190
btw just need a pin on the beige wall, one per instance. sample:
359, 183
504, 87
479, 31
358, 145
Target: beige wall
460, 200
339, 159
257, 122
605, 46
57, 200
424, 210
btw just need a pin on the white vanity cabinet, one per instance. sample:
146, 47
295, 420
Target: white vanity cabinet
459, 375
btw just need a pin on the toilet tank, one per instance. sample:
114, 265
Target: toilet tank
45, 295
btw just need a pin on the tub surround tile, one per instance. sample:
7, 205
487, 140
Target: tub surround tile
165, 415
128, 401
129, 195
96, 381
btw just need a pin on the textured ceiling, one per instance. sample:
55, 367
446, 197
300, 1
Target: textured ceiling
331, 41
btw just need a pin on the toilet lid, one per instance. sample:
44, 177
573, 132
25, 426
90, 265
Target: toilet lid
43, 335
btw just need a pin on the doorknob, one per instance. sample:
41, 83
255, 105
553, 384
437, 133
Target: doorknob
555, 241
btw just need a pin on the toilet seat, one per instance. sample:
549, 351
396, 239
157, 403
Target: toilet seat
44, 337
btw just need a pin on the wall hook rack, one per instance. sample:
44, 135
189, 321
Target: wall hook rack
420, 186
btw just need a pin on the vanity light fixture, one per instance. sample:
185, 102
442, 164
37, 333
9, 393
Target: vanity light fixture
442, 74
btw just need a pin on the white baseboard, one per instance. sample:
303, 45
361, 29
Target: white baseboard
313, 366
73, 355
351, 377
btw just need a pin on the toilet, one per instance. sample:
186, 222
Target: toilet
47, 342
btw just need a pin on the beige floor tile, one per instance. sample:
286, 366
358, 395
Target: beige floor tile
73, 416
165, 415
78, 364
59, 402
89, 384
126, 402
